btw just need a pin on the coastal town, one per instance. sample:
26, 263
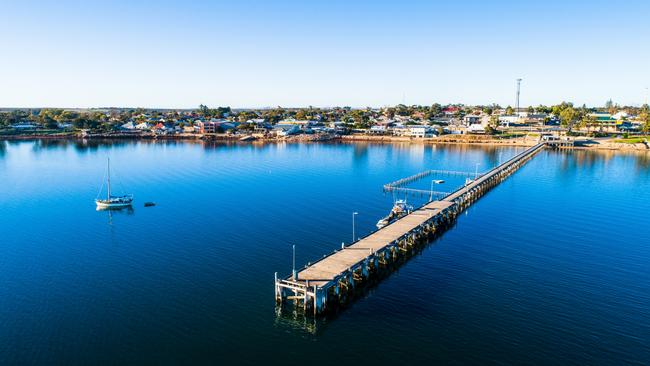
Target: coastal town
613, 123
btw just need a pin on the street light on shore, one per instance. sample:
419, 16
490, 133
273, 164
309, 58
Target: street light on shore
353, 215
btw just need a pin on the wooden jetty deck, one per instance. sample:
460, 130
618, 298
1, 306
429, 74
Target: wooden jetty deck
329, 280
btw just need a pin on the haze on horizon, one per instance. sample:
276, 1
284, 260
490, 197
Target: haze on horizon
171, 54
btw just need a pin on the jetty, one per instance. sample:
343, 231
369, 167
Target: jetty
332, 280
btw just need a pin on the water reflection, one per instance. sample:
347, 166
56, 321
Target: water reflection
490, 155
295, 320
589, 159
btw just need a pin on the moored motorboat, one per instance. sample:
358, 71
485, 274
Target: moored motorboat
400, 209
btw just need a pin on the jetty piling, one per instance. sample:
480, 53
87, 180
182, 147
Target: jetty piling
331, 280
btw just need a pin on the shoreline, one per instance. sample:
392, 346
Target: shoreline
469, 140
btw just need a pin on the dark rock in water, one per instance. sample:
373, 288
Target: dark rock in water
149, 204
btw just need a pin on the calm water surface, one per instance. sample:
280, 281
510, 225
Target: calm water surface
550, 267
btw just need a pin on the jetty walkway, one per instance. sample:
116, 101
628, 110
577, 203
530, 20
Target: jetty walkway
331, 280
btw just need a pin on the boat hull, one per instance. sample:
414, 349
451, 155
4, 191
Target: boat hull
112, 204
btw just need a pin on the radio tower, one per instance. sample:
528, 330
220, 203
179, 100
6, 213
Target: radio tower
517, 101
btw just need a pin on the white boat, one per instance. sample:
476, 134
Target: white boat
400, 209
113, 201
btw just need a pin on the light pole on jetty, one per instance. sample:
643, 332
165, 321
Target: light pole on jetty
353, 215
294, 274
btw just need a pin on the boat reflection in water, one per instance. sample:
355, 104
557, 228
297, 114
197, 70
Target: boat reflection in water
122, 209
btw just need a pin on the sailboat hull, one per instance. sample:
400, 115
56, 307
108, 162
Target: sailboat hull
112, 204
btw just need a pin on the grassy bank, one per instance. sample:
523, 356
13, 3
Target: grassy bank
632, 140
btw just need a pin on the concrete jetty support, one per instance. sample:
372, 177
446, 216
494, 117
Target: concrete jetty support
332, 280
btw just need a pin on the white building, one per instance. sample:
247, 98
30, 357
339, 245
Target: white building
286, 129
143, 126
420, 131
508, 119
128, 126
378, 130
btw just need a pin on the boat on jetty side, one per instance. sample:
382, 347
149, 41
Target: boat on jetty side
400, 209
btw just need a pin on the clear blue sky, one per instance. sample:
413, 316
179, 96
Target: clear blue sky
324, 53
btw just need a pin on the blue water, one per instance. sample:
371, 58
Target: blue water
550, 267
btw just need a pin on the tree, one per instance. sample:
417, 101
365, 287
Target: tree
644, 118
49, 122
435, 109
402, 110
509, 111
301, 115
359, 118
568, 117
493, 124
611, 107
531, 110
588, 121
204, 110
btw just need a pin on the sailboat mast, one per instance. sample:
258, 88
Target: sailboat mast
109, 179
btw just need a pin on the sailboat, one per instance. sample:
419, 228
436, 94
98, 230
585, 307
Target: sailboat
113, 201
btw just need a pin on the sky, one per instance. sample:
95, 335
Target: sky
257, 53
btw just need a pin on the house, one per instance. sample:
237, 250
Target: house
536, 117
602, 117
143, 126
420, 131
378, 130
256, 121
336, 125
262, 128
282, 129
621, 115
507, 119
451, 110
302, 123
476, 128
628, 127
127, 126
400, 131
472, 119
206, 126
160, 128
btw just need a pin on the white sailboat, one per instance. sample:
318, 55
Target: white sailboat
113, 201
